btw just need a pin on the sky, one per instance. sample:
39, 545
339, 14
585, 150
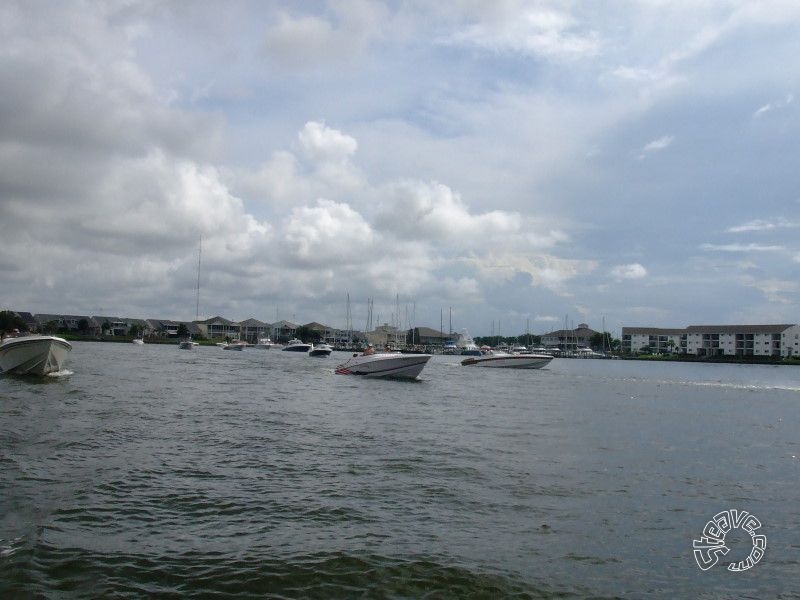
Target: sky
503, 167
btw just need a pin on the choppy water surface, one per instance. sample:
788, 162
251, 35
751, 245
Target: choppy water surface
151, 471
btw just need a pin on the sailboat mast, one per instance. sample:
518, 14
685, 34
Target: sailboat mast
197, 305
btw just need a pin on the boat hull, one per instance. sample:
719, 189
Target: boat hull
33, 355
509, 361
298, 348
396, 366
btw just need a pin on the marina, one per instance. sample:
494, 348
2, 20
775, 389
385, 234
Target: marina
265, 474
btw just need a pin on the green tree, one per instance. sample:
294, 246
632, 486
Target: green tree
10, 320
83, 326
307, 335
105, 327
183, 331
134, 330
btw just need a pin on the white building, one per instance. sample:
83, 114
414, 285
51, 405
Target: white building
715, 340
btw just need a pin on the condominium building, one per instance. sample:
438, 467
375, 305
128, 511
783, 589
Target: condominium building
714, 340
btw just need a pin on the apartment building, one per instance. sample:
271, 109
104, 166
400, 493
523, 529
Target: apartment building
714, 340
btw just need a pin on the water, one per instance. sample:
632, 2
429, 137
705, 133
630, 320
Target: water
151, 471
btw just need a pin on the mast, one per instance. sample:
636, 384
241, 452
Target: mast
197, 304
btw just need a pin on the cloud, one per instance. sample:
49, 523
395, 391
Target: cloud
741, 248
657, 145
310, 41
326, 236
763, 225
546, 270
770, 106
777, 291
539, 31
432, 211
630, 271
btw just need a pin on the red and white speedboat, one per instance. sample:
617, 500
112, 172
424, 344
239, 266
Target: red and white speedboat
389, 364
33, 354
508, 361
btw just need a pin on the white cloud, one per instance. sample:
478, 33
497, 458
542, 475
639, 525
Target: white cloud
770, 106
741, 248
546, 270
763, 225
315, 41
327, 235
418, 210
547, 32
630, 271
657, 145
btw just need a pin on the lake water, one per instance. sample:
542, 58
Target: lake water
152, 471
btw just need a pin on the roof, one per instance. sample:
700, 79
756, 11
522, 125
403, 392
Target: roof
652, 331
253, 322
216, 321
738, 328
430, 333
584, 331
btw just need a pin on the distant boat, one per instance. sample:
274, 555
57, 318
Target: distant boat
508, 361
296, 345
33, 354
187, 344
264, 343
466, 345
320, 350
138, 341
387, 365
234, 345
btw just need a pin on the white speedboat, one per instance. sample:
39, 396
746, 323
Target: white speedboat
390, 364
296, 345
33, 354
236, 345
138, 341
264, 343
186, 344
508, 361
320, 350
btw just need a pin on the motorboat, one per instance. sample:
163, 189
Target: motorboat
264, 343
235, 345
320, 350
138, 341
388, 364
296, 345
186, 344
466, 345
33, 354
508, 361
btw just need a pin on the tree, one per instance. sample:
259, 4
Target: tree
183, 331
307, 335
10, 320
105, 327
83, 326
134, 330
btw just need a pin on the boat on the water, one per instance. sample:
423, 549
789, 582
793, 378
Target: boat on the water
235, 345
138, 341
264, 343
186, 344
466, 345
296, 345
33, 354
390, 364
508, 361
320, 350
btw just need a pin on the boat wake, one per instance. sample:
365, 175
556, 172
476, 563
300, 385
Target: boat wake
61, 373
